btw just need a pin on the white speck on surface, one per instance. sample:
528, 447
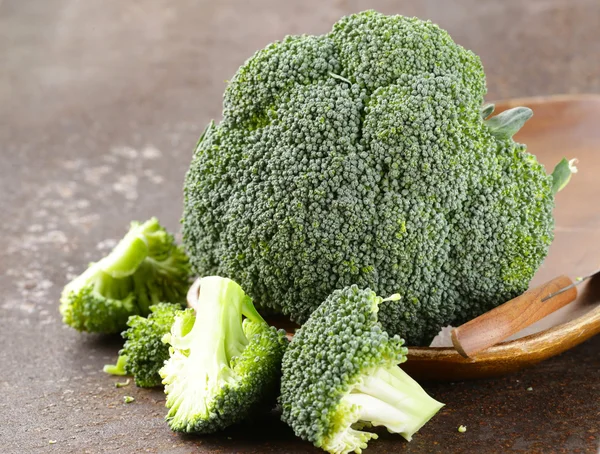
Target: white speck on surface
8, 305
111, 159
151, 152
73, 164
126, 185
65, 190
175, 139
125, 152
86, 221
34, 290
31, 242
96, 175
153, 177
44, 284
40, 213
106, 245
25, 307
82, 204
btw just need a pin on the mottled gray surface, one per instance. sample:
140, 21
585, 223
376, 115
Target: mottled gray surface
101, 103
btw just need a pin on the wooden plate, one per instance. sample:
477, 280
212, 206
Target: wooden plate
562, 126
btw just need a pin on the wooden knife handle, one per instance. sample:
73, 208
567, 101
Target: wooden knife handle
511, 317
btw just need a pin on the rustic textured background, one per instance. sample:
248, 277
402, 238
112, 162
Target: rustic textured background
101, 102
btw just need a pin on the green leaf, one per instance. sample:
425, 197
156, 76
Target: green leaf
206, 131
562, 174
507, 124
487, 110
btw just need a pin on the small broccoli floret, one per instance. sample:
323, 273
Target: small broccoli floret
220, 366
341, 375
144, 352
145, 268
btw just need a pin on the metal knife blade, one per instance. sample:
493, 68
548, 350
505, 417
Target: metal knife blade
578, 281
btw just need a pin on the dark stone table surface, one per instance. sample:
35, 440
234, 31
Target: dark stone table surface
101, 103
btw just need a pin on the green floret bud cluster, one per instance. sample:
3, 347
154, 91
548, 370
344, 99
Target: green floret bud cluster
364, 157
145, 268
144, 352
341, 374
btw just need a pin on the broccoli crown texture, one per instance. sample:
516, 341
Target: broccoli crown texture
220, 366
341, 374
145, 268
144, 351
363, 157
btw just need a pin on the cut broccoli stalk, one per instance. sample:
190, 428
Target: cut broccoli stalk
210, 346
220, 364
386, 397
389, 397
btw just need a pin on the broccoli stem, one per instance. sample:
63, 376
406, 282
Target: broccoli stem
250, 312
117, 369
390, 398
112, 288
126, 257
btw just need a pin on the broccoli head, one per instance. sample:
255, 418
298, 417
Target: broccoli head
341, 375
220, 366
144, 351
145, 268
364, 156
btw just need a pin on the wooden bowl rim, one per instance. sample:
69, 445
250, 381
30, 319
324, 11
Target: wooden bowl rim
523, 345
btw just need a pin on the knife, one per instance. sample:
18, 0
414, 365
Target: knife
511, 317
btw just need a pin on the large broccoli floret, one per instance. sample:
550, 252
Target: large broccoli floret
144, 352
364, 157
341, 374
220, 367
145, 268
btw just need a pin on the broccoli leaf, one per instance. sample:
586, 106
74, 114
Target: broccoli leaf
561, 175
